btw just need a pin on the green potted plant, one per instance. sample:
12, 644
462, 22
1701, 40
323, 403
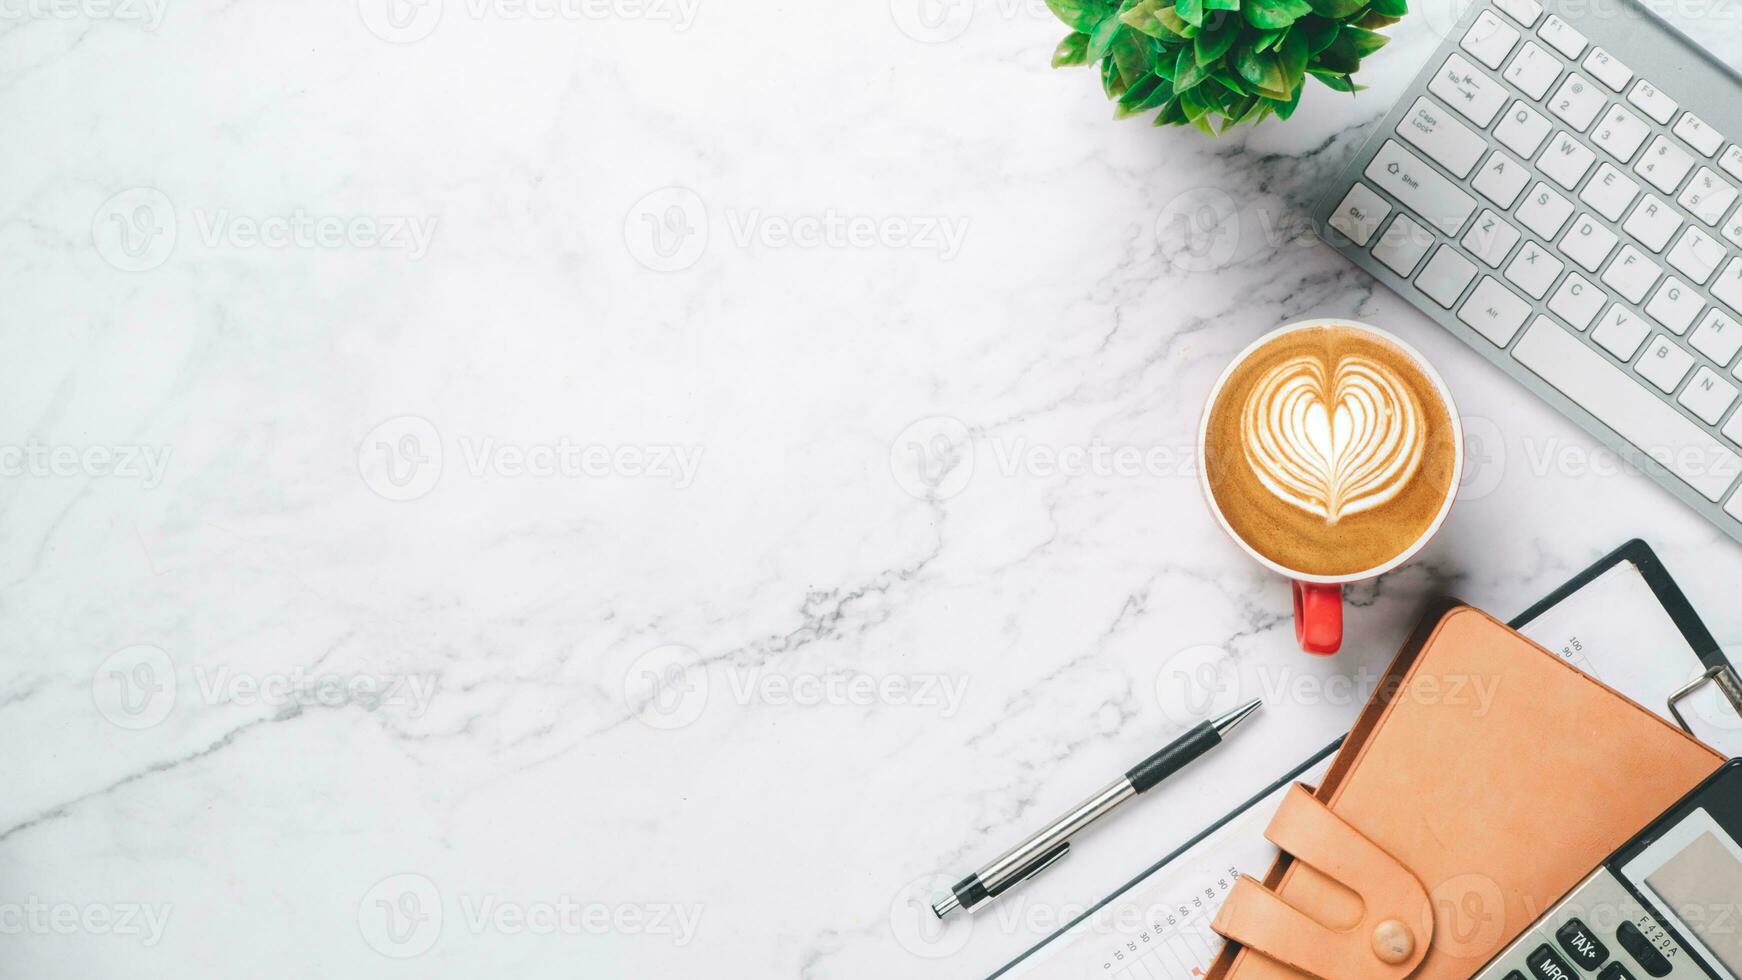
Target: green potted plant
1217, 63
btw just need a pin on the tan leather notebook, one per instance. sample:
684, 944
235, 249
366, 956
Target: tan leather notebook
1484, 779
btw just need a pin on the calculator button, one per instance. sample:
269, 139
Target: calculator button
1656, 105
1581, 944
1546, 965
1534, 70
1608, 69
1561, 34
1615, 971
1641, 949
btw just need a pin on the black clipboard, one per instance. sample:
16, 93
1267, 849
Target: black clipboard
1636, 552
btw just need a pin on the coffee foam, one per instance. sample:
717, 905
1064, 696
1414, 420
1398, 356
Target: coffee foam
1330, 451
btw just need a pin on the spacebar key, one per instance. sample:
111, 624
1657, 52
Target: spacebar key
1420, 187
1622, 404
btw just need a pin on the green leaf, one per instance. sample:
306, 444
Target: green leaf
1334, 81
1190, 11
1212, 44
1073, 50
1362, 42
1233, 5
1187, 74
1141, 17
1101, 38
1391, 8
1131, 54
1078, 15
1264, 72
1337, 9
1267, 39
1270, 14
1111, 83
1319, 33
1291, 54
1229, 80
1171, 114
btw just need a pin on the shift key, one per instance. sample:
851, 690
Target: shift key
1420, 187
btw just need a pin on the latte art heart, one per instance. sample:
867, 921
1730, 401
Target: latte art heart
1333, 442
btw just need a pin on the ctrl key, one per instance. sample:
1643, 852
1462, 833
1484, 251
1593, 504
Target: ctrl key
1360, 214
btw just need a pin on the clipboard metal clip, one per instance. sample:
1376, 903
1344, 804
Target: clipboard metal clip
1722, 675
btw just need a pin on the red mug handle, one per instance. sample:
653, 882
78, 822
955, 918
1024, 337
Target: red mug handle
1318, 617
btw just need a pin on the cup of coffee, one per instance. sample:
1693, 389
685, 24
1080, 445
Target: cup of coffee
1330, 451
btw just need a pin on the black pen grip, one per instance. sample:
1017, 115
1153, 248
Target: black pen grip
1173, 758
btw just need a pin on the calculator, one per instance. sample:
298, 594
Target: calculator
1667, 904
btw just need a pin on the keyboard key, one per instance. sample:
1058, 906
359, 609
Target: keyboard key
1490, 239
1698, 135
1566, 160
1733, 228
1522, 129
1472, 93
1588, 243
1620, 332
1664, 165
1708, 196
1494, 311
1578, 101
1708, 396
1524, 11
1728, 286
1731, 161
1734, 509
1719, 338
1634, 413
1632, 274
1621, 133
1696, 255
1664, 365
1420, 187
1445, 140
1609, 192
1654, 103
1561, 34
1445, 277
1653, 223
1490, 39
1675, 305
1544, 211
1360, 214
1733, 431
1501, 179
1577, 301
1608, 69
1534, 70
1533, 270
1403, 245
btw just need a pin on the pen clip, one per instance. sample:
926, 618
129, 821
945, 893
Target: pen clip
1043, 862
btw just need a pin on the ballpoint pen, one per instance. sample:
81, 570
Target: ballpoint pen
1038, 852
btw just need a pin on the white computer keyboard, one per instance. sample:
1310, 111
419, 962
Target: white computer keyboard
1562, 205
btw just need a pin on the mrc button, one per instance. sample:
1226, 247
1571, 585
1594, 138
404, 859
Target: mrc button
1581, 944
1641, 949
1546, 964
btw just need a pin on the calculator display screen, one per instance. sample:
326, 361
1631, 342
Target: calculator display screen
1701, 885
